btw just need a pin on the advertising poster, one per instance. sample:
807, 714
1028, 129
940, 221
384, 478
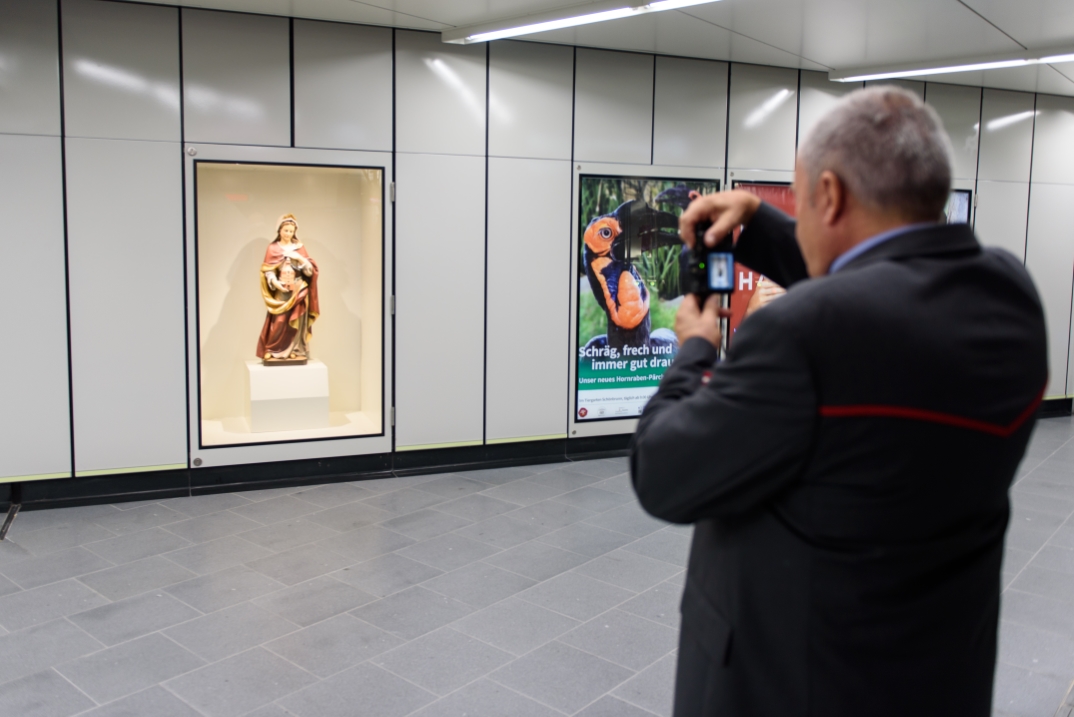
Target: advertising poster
628, 289
781, 196
958, 206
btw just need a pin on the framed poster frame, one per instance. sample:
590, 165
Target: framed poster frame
204, 456
610, 426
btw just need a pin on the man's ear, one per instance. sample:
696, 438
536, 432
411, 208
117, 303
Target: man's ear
832, 197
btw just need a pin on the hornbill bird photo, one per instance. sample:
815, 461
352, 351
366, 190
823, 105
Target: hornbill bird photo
611, 243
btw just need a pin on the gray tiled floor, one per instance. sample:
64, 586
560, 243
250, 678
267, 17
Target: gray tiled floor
530, 592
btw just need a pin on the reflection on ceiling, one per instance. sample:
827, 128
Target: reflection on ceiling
809, 34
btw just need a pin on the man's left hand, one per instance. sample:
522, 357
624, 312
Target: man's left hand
693, 321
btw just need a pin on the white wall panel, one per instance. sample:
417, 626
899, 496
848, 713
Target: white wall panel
121, 70
763, 118
613, 111
440, 302
960, 110
125, 252
531, 100
439, 94
918, 88
1053, 141
690, 116
35, 425
1002, 212
528, 298
819, 95
1050, 260
343, 86
30, 73
236, 78
1006, 136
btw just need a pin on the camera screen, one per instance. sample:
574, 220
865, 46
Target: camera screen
721, 266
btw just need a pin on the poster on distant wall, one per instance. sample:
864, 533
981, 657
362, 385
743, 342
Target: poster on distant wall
781, 196
628, 289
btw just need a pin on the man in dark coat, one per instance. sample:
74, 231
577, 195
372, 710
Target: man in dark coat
847, 466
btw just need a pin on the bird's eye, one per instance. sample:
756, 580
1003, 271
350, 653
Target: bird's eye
605, 233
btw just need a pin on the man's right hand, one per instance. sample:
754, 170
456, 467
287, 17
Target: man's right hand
726, 210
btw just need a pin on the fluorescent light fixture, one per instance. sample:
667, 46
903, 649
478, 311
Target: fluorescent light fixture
565, 17
1049, 56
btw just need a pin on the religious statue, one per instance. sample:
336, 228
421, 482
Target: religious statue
289, 288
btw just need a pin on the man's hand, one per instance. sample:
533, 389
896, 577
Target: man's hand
726, 210
691, 321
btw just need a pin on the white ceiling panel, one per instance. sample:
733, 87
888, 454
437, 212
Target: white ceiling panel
1034, 23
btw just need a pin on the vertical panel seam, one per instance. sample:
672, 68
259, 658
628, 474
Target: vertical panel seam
291, 67
1029, 190
571, 309
66, 248
394, 419
485, 272
186, 269
727, 132
977, 170
652, 121
798, 116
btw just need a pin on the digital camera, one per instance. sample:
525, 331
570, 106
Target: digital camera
708, 270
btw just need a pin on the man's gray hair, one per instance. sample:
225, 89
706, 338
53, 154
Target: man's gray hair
888, 147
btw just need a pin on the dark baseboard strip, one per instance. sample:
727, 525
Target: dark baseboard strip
159, 485
1055, 407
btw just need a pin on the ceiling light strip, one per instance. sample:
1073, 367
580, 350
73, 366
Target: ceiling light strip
570, 17
1048, 56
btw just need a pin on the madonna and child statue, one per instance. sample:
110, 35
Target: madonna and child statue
289, 288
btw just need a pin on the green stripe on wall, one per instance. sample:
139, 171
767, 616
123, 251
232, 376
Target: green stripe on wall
139, 469
430, 446
39, 476
523, 439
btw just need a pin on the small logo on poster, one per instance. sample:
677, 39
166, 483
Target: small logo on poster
583, 412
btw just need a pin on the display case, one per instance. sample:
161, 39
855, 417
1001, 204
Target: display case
625, 287
288, 303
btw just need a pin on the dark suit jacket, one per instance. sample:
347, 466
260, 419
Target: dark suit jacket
847, 469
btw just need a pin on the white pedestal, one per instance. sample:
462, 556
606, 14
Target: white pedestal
286, 398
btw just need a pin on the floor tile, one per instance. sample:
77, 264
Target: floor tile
1034, 519
334, 645
1037, 611
593, 498
603, 467
515, 626
59, 537
452, 486
12, 552
300, 564
576, 595
7, 587
315, 600
478, 584
42, 694
332, 494
42, 646
587, 540
501, 476
668, 546
628, 570
609, 706
127, 619
366, 543
549, 515
135, 546
629, 519
349, 517
128, 668
448, 552
476, 507
537, 561
212, 526
273, 510
365, 684
218, 554
230, 631
502, 532
659, 604
652, 689
442, 661
1052, 558
154, 702
618, 484
136, 520
228, 587
135, 578
33, 520
1026, 693
269, 493
386, 575
413, 612
1014, 559
425, 524
44, 604
1026, 538
485, 698
386, 485
1030, 648
198, 505
522, 492
1040, 581
564, 480
403, 501
54, 567
561, 676
1024, 497
240, 684
288, 534
622, 638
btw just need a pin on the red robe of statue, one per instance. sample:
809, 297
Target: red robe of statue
289, 323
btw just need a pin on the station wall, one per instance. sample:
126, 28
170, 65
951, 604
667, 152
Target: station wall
103, 99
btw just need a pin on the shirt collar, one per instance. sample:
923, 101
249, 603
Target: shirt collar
858, 249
